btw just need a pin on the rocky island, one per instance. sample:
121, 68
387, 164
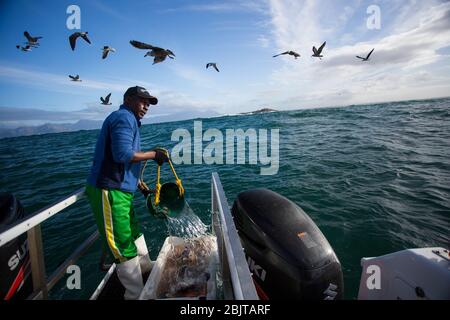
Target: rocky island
264, 110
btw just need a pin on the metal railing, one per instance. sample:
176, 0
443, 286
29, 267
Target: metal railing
236, 277
32, 225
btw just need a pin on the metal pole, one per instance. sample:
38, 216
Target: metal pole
241, 278
80, 251
37, 262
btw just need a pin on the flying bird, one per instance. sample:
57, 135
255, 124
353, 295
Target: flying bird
74, 36
317, 52
25, 49
32, 41
75, 78
160, 54
105, 100
212, 64
292, 53
106, 50
366, 58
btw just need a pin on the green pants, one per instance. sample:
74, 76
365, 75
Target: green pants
116, 221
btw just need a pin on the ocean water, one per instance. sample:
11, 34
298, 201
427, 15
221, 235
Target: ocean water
374, 178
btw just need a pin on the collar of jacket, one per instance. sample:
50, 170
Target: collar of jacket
129, 109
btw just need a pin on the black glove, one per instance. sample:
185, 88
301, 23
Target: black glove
161, 156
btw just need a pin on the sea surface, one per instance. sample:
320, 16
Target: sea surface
374, 178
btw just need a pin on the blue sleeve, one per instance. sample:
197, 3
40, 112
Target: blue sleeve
122, 136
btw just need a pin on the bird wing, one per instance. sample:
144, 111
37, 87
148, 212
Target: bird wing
215, 67
370, 53
105, 53
315, 51
73, 39
360, 57
159, 59
85, 37
208, 65
142, 45
103, 100
72, 77
107, 97
286, 52
321, 47
28, 36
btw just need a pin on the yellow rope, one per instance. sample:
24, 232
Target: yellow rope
177, 180
143, 185
158, 186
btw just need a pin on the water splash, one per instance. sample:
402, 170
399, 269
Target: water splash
186, 225
187, 267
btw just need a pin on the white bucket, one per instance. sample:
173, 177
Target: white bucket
184, 269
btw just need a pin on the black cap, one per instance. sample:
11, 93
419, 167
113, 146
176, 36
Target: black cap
140, 92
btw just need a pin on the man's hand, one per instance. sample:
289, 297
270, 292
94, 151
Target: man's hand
161, 156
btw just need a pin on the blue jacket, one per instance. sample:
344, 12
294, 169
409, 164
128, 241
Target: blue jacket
119, 139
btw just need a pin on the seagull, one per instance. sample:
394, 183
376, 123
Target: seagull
317, 52
366, 58
76, 78
292, 53
32, 41
212, 64
106, 50
105, 101
73, 38
25, 49
160, 54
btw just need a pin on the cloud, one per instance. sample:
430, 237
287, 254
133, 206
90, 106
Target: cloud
192, 74
400, 62
54, 82
410, 48
223, 7
263, 41
59, 83
110, 11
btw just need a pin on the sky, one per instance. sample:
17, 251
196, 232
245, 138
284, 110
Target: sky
410, 60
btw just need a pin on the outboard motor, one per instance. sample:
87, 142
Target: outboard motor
288, 255
15, 270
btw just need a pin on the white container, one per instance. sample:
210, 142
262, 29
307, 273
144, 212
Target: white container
184, 269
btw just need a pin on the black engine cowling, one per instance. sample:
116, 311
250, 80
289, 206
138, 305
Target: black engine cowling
287, 254
15, 271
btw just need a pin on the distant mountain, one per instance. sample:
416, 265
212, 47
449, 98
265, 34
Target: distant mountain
97, 124
51, 128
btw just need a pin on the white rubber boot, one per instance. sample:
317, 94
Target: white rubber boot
144, 258
130, 275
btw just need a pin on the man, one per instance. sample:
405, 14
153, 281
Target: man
113, 180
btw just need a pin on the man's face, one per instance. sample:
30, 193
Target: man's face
138, 105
